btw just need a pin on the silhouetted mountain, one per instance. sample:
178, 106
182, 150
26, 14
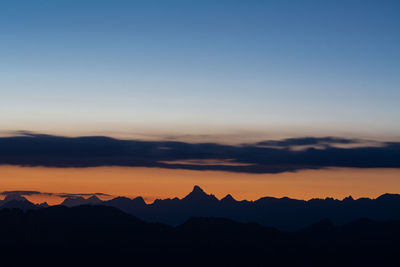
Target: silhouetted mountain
14, 197
282, 213
15, 201
73, 201
99, 235
16, 204
389, 197
228, 199
94, 200
126, 204
199, 197
78, 200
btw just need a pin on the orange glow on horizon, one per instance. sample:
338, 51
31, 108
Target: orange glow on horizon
152, 183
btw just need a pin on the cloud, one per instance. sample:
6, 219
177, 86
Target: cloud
270, 156
67, 195
308, 141
23, 193
63, 195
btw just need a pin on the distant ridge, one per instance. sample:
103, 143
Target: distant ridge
78, 200
283, 213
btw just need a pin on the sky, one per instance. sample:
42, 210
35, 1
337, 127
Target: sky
220, 80
156, 183
166, 69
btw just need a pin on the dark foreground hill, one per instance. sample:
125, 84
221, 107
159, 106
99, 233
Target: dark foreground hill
99, 235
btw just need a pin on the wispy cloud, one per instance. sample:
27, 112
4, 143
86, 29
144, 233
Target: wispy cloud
63, 195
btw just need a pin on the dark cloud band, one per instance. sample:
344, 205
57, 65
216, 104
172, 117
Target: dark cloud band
264, 157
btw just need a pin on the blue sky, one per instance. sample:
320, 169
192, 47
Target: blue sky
276, 68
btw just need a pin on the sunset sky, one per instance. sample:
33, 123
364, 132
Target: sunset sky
240, 75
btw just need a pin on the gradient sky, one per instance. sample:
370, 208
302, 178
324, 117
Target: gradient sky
222, 71
153, 183
281, 68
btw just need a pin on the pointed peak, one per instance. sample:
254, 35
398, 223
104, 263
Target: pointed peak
94, 200
94, 197
139, 199
349, 198
197, 189
228, 197
199, 194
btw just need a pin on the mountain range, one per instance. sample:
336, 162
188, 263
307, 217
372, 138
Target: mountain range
283, 213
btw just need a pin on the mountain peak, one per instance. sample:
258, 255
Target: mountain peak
197, 189
139, 199
388, 196
228, 198
199, 194
94, 198
349, 198
73, 201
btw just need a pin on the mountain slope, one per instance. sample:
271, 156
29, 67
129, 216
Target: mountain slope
99, 235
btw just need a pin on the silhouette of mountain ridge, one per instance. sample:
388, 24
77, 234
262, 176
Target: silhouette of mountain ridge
228, 199
283, 213
78, 200
94, 199
16, 201
73, 201
14, 197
